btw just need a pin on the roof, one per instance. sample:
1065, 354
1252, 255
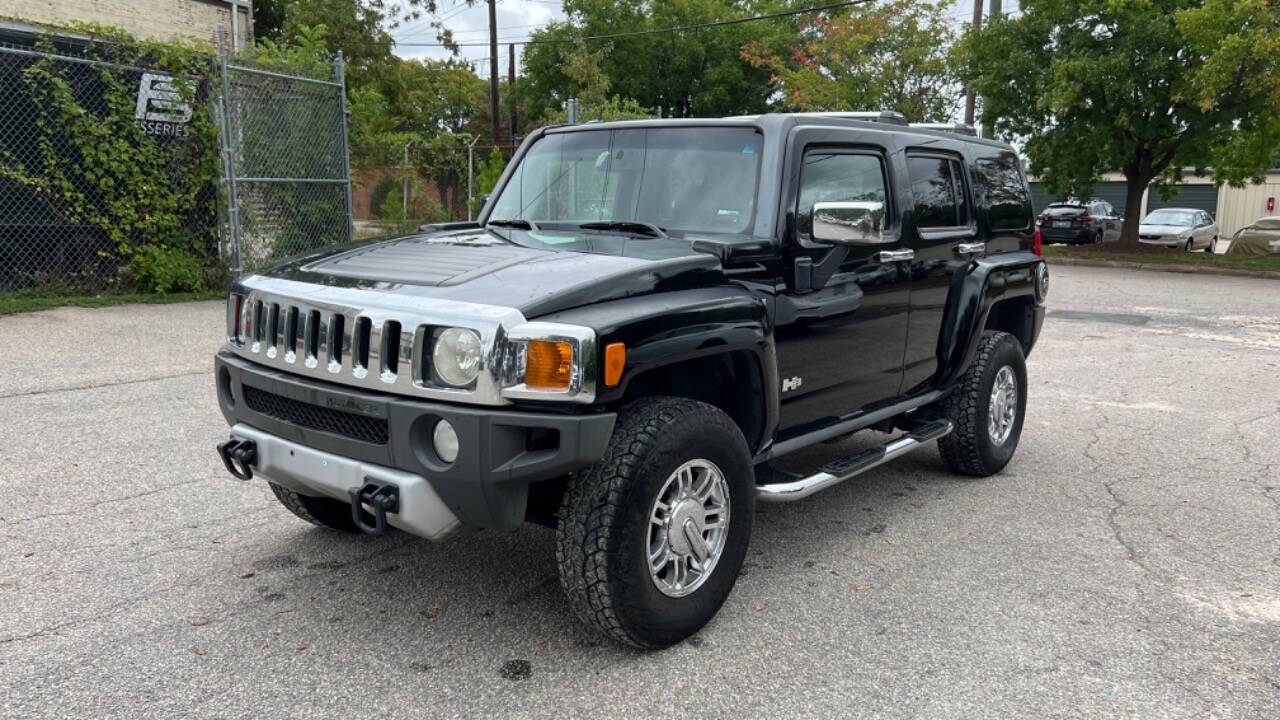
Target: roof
781, 121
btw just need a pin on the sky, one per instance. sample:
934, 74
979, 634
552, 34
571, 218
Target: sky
517, 18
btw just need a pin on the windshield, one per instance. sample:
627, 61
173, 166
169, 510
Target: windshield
1170, 217
690, 179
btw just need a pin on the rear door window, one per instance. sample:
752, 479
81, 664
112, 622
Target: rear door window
937, 184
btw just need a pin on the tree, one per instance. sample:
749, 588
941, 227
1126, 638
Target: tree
685, 73
1146, 88
268, 19
882, 56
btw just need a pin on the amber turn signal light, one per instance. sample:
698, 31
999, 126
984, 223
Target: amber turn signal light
548, 365
615, 359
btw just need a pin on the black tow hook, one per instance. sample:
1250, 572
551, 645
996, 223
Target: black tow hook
381, 497
239, 457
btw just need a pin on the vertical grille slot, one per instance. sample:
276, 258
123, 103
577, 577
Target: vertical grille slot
259, 319
360, 343
390, 350
274, 330
311, 335
337, 323
291, 334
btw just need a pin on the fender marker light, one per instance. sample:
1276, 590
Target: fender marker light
548, 365
615, 359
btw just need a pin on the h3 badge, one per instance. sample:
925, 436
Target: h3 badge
791, 383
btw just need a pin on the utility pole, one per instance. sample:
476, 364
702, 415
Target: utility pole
493, 69
970, 99
993, 14
511, 83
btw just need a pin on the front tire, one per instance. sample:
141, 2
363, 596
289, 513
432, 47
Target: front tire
652, 537
322, 511
987, 408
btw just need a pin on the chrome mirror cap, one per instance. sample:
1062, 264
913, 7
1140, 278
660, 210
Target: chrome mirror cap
848, 223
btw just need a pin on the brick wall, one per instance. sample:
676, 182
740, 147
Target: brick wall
158, 19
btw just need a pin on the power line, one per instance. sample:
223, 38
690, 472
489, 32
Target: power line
656, 31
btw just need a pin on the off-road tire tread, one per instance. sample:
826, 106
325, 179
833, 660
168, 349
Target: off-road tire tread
316, 511
959, 448
595, 498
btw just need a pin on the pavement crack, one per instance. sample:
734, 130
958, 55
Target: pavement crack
73, 388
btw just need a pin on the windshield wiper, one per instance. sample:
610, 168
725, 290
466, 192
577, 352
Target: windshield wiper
518, 223
627, 226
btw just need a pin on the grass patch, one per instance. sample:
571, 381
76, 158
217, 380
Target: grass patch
29, 301
1147, 255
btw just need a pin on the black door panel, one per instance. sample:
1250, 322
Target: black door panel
840, 346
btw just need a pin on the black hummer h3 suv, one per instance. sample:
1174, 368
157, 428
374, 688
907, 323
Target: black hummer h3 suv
645, 316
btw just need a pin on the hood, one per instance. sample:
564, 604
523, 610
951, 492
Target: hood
484, 267
1145, 229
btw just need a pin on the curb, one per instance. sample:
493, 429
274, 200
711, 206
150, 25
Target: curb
1164, 267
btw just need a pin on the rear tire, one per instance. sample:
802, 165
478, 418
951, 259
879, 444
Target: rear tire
614, 527
322, 511
1097, 238
977, 446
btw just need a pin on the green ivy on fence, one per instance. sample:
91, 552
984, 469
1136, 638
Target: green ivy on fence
97, 166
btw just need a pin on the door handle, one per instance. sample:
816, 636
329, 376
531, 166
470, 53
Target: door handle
888, 256
971, 248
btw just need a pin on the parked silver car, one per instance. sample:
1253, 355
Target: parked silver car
1187, 228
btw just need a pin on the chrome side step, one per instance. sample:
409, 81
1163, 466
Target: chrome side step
840, 470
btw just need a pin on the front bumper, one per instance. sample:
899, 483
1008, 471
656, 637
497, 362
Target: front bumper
500, 453
1169, 242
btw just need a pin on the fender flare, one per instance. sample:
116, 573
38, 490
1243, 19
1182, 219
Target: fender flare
676, 327
974, 290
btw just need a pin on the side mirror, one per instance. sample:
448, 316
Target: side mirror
848, 223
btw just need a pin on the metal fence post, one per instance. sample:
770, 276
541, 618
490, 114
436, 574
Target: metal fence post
228, 157
340, 70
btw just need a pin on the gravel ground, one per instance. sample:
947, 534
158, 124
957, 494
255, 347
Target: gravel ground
1126, 564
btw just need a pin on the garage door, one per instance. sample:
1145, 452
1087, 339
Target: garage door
1112, 192
1200, 197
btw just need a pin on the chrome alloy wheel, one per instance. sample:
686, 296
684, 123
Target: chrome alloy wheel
1003, 408
688, 526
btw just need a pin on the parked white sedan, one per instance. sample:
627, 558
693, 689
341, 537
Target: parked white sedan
1187, 228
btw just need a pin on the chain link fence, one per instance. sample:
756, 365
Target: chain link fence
121, 176
287, 177
98, 161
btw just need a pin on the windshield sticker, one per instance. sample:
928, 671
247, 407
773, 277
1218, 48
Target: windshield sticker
749, 150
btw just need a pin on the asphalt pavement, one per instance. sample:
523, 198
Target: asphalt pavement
1126, 564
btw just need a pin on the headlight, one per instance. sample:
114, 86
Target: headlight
455, 359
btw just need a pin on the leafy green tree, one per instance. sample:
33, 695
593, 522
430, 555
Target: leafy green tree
268, 19
361, 29
880, 56
685, 73
1146, 88
486, 177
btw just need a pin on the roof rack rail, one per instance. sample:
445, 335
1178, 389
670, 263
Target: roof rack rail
958, 128
885, 116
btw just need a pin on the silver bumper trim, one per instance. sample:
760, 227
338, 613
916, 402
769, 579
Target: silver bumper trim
314, 472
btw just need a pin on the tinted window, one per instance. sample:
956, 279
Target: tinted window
1007, 198
938, 189
829, 177
677, 178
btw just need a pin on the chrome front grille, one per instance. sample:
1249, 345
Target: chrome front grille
365, 338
